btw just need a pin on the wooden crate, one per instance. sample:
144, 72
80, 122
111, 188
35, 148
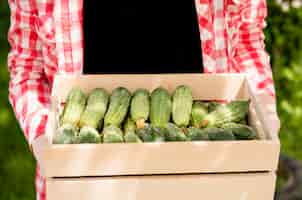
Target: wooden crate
255, 186
228, 170
159, 158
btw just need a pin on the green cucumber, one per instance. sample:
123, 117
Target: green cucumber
89, 134
199, 112
241, 131
66, 134
95, 109
140, 107
161, 107
118, 107
196, 134
231, 112
112, 134
73, 108
182, 105
174, 133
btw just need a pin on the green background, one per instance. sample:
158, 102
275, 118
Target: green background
284, 43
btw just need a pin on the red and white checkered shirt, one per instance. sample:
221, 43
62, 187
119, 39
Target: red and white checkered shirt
46, 38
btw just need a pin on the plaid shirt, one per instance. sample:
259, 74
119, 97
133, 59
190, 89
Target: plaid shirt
46, 38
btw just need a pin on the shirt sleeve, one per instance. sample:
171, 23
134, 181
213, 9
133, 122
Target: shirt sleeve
250, 55
29, 90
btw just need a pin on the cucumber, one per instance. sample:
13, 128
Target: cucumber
174, 133
66, 134
158, 134
95, 109
182, 106
217, 134
199, 111
89, 135
244, 122
131, 137
231, 112
129, 125
129, 130
140, 107
161, 107
213, 105
196, 134
112, 134
146, 133
74, 106
118, 107
241, 131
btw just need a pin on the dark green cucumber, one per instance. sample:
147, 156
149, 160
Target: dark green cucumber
213, 105
161, 107
196, 134
217, 134
146, 133
88, 134
158, 134
151, 133
241, 131
174, 133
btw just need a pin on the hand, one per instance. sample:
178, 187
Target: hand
267, 104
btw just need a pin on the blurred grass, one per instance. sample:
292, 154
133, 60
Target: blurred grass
17, 165
284, 43
16, 162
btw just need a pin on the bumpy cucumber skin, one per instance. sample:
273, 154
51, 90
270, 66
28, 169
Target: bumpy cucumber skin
231, 112
112, 134
74, 107
140, 107
174, 133
244, 122
129, 125
213, 106
241, 131
151, 134
145, 134
89, 134
131, 137
129, 132
158, 134
66, 134
161, 107
118, 107
182, 105
196, 134
199, 112
219, 134
95, 109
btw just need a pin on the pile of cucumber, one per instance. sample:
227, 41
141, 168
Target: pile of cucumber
144, 117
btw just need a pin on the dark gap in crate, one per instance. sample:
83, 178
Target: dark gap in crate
151, 175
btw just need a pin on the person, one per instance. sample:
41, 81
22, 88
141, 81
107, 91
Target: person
49, 37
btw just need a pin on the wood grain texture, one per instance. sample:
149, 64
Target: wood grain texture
255, 186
